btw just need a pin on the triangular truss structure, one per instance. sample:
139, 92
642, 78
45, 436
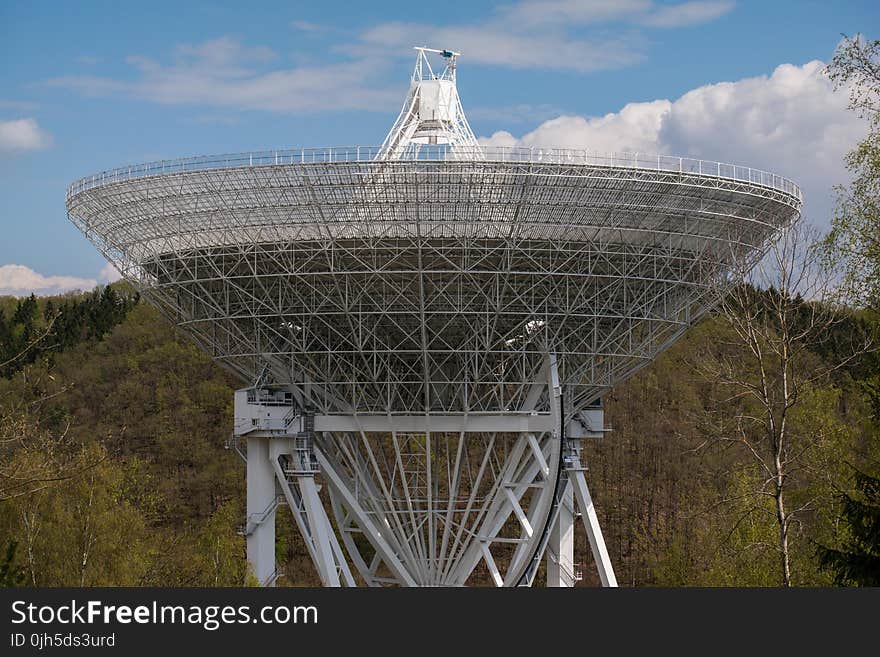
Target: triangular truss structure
421, 507
432, 114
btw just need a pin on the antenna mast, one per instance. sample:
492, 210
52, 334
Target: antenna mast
432, 114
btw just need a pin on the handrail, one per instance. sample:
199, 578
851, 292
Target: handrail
506, 154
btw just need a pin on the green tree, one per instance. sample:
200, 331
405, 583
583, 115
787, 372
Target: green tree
778, 312
857, 561
221, 550
112, 461
855, 233
11, 574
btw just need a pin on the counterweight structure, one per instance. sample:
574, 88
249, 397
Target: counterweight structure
426, 329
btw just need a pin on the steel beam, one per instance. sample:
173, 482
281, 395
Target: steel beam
261, 502
561, 570
594, 531
446, 423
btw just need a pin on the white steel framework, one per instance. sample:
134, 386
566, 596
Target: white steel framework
431, 114
441, 318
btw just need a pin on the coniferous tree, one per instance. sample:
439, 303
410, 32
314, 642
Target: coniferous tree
39, 329
5, 339
857, 562
48, 310
11, 574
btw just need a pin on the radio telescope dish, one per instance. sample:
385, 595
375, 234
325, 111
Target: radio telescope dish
426, 329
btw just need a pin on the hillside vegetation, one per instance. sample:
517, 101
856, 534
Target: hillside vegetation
115, 469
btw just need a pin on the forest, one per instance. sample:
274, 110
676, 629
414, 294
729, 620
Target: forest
748, 454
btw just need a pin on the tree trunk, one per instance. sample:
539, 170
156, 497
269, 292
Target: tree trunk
783, 532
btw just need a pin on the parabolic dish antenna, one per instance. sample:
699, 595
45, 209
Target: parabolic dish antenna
426, 328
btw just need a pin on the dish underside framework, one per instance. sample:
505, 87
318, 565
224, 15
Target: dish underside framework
426, 328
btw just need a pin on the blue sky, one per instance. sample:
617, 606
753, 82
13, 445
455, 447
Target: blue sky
87, 86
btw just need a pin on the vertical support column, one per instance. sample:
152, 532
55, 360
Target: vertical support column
261, 503
560, 551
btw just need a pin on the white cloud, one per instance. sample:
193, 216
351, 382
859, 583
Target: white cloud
21, 135
18, 280
581, 12
225, 73
534, 13
109, 274
501, 138
501, 45
19, 105
309, 27
224, 53
550, 34
216, 119
687, 13
520, 113
634, 128
790, 122
572, 35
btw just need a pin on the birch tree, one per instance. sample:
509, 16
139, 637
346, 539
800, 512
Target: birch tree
855, 234
779, 312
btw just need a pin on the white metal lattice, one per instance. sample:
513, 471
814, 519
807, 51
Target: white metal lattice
425, 285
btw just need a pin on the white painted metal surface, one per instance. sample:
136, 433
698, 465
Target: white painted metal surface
591, 521
647, 162
561, 568
261, 505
